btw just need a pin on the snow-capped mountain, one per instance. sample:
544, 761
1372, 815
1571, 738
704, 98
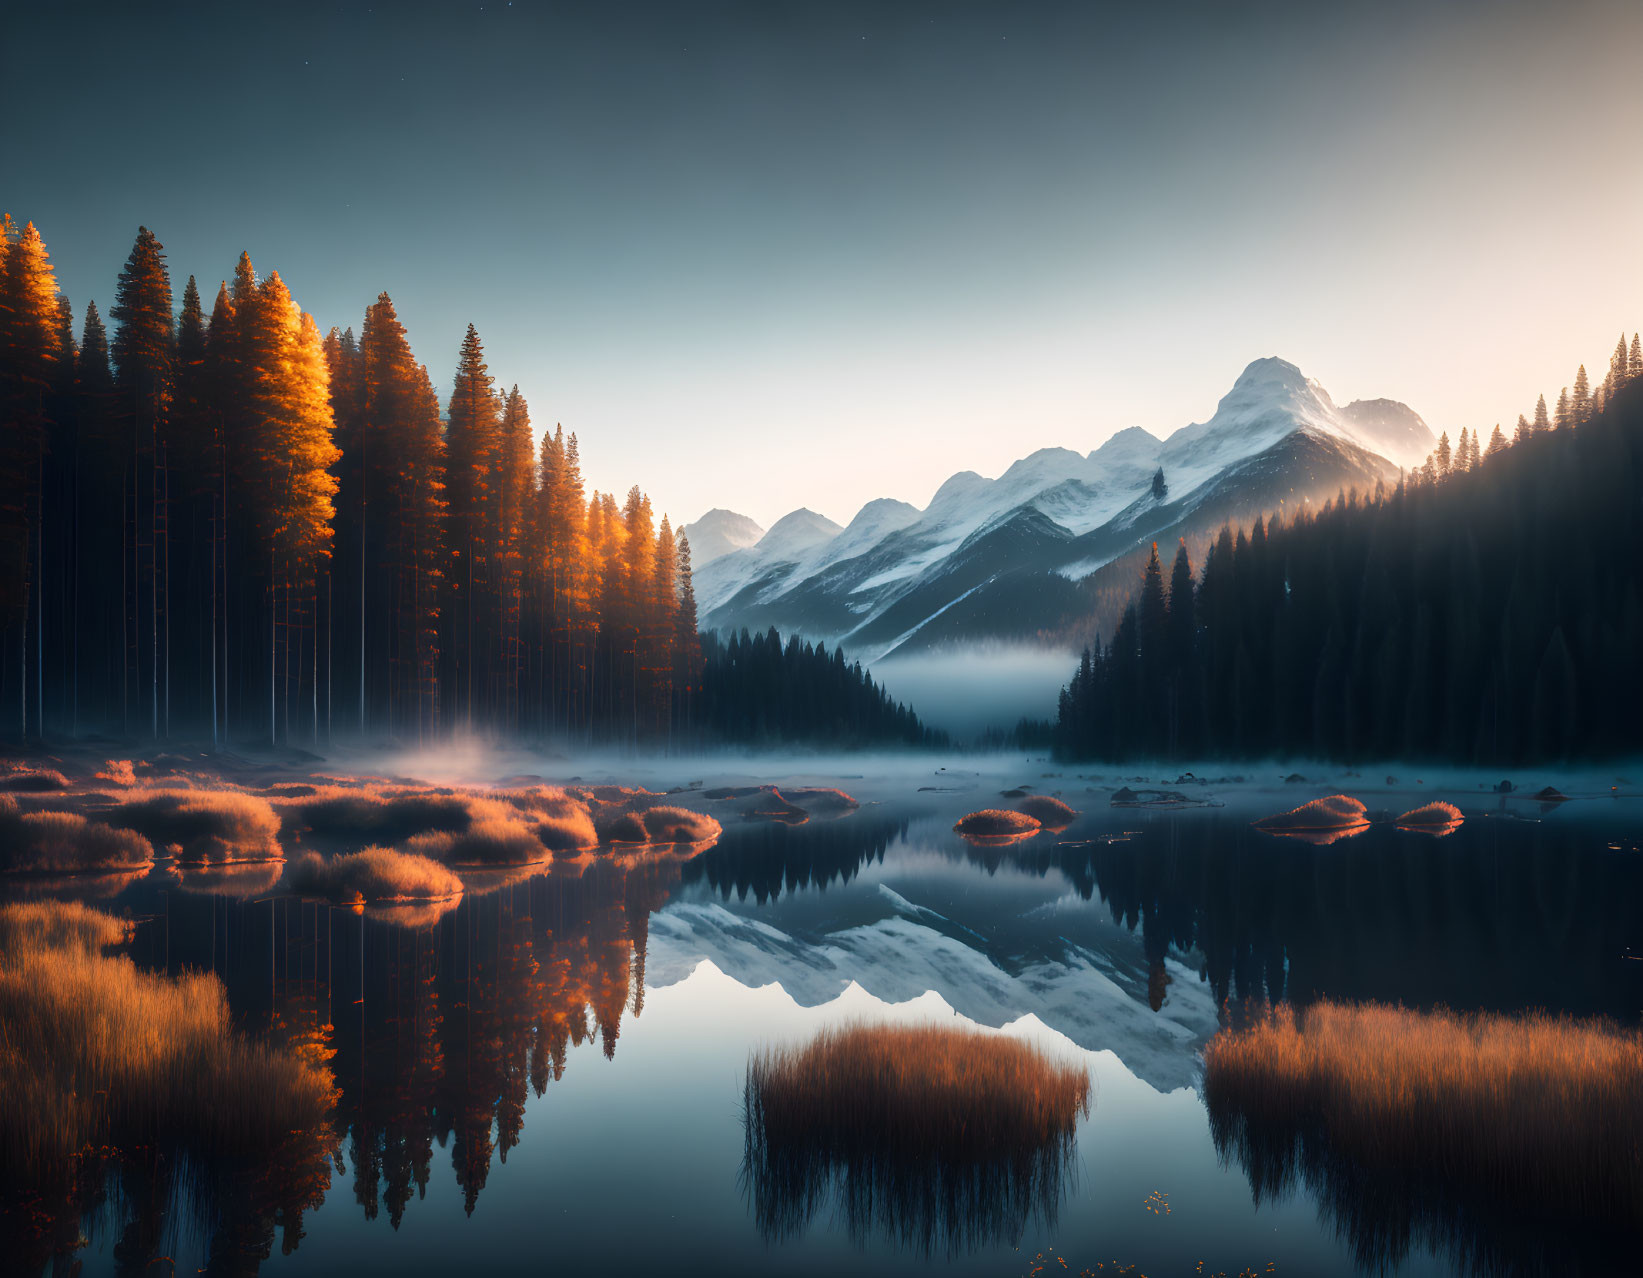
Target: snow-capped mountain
1020, 555
718, 533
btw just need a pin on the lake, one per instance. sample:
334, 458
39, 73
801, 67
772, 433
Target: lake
551, 1075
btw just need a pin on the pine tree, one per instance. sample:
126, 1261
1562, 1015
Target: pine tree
1565, 412
515, 493
143, 372
1634, 361
687, 646
1152, 639
1523, 431
1497, 442
1443, 456
30, 351
1182, 657
1543, 421
471, 457
1580, 402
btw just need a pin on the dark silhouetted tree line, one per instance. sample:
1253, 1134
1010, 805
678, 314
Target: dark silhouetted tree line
1487, 609
226, 523
757, 689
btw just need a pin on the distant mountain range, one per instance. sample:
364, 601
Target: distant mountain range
1026, 555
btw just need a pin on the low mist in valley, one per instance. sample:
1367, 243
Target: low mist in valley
966, 691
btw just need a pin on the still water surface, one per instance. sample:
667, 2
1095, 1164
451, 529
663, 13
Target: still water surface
551, 1075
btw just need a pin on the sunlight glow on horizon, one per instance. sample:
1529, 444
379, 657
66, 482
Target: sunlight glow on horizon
782, 268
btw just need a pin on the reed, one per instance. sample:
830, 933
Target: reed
942, 1137
95, 1053
1455, 1130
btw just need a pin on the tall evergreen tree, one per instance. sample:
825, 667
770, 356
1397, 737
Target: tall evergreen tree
30, 351
143, 354
471, 446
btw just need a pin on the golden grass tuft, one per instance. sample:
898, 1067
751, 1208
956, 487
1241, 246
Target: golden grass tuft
65, 843
467, 826
1433, 818
662, 824
33, 780
372, 875
95, 1053
997, 823
820, 800
495, 836
204, 826
1047, 810
940, 1135
1445, 1127
386, 814
119, 772
1322, 821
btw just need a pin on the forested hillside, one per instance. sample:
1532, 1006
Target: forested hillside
1488, 608
757, 690
225, 524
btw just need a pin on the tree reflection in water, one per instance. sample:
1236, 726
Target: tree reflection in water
436, 1033
941, 1139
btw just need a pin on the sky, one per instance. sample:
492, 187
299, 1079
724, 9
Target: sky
774, 255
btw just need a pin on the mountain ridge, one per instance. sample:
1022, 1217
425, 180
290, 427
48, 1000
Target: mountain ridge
1013, 557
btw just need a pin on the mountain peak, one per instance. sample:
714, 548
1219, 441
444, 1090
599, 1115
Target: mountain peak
718, 533
799, 530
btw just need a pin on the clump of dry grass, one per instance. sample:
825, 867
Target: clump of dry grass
33, 780
562, 822
495, 836
469, 826
65, 925
938, 1134
1047, 810
95, 1053
388, 816
1439, 1126
997, 823
820, 800
1433, 818
211, 826
65, 843
118, 772
374, 874
1322, 821
661, 824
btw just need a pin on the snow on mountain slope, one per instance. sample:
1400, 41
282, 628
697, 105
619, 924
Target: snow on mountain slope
777, 553
719, 533
1393, 430
906, 955
876, 584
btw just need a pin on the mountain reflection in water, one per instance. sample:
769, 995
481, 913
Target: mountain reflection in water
1137, 932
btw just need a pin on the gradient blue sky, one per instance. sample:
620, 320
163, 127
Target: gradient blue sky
764, 256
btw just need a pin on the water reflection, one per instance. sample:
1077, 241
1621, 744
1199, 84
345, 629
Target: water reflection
440, 1032
940, 1139
1501, 915
436, 1035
